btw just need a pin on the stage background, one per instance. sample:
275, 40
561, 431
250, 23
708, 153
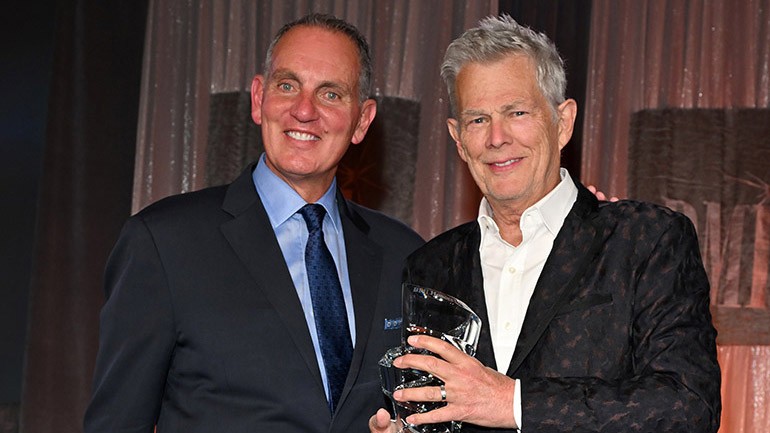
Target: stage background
140, 91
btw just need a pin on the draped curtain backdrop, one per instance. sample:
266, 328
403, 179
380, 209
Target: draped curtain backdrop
644, 54
195, 49
691, 54
85, 196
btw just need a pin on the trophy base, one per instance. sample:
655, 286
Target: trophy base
394, 379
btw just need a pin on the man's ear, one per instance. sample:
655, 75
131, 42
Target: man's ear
453, 125
567, 112
257, 90
368, 111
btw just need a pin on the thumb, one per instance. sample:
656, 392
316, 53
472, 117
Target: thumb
380, 422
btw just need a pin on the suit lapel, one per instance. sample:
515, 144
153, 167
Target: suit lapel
574, 248
364, 267
253, 240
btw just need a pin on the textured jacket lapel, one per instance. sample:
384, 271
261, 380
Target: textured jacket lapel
253, 240
574, 248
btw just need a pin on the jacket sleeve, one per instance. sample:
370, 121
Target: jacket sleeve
136, 337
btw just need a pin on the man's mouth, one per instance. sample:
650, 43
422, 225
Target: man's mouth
302, 136
506, 163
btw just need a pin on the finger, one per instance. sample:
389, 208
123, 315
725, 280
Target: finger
443, 349
380, 422
442, 414
427, 363
600, 195
423, 393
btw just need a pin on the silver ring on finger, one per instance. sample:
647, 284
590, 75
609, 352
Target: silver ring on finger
443, 392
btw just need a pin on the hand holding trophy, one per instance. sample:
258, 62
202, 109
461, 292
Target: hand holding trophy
431, 312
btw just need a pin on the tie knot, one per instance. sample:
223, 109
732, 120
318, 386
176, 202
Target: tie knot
313, 213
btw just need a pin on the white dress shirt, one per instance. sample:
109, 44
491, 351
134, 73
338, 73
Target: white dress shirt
511, 273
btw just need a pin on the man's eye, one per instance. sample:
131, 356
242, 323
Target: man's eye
518, 113
286, 87
332, 96
476, 121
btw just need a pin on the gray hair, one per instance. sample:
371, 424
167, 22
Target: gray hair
334, 24
496, 37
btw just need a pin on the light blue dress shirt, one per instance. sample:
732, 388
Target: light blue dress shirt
281, 204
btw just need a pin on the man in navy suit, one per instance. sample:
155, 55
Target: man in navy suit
209, 325
595, 315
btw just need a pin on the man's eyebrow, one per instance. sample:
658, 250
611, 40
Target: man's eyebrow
473, 112
513, 106
285, 74
282, 74
334, 85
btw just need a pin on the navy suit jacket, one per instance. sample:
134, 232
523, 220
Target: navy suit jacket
618, 334
202, 330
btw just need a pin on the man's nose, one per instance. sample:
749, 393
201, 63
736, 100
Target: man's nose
498, 134
304, 108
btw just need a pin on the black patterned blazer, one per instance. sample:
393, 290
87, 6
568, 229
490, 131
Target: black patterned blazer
202, 329
618, 334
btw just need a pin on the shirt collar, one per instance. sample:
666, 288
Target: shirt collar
553, 208
280, 200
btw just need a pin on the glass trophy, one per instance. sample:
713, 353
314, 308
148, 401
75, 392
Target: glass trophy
427, 311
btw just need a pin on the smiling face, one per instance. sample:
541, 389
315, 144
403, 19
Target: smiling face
309, 108
507, 132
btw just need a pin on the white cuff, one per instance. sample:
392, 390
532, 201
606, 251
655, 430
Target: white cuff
517, 404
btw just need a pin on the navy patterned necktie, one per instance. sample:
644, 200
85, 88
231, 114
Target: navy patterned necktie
328, 304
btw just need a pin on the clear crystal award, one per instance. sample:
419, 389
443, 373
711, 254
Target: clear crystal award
431, 312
